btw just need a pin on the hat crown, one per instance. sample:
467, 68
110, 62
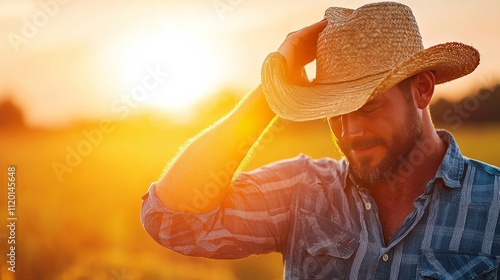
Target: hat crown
370, 40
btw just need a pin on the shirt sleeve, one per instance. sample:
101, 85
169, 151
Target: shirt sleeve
253, 218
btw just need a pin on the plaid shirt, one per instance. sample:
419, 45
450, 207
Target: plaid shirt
327, 228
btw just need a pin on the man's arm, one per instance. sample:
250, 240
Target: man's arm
220, 147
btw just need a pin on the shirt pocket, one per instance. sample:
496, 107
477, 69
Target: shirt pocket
325, 248
434, 264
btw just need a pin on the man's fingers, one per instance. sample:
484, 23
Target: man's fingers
308, 37
313, 29
299, 47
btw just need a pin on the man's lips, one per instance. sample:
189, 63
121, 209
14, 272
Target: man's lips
360, 151
361, 146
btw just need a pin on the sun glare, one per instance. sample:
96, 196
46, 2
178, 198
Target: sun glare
185, 65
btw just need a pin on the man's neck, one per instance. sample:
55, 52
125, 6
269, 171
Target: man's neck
394, 197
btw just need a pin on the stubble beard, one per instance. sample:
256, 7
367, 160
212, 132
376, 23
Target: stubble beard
404, 140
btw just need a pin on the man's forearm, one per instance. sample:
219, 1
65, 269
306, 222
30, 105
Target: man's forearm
197, 180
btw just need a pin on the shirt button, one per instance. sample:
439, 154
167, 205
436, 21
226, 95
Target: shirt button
368, 206
385, 257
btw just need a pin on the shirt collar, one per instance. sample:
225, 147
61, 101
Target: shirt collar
451, 169
346, 178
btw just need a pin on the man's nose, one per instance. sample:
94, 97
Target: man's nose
351, 126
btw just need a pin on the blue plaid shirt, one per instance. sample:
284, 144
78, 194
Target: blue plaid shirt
328, 228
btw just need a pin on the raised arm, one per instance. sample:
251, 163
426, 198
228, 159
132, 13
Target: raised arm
221, 148
217, 150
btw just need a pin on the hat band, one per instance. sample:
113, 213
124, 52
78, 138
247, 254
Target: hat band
350, 81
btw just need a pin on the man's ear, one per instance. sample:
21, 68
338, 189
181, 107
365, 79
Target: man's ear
422, 88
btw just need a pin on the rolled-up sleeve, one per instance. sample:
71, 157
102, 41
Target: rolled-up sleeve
253, 218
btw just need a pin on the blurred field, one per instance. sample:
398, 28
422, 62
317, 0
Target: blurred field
86, 226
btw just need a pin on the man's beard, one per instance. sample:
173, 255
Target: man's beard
404, 140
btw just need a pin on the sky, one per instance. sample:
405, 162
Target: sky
69, 60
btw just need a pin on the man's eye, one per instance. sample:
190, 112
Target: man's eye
370, 108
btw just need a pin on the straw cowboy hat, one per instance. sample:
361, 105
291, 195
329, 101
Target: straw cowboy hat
360, 54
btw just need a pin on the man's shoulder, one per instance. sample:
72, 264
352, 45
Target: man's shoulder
483, 169
487, 169
482, 182
461, 170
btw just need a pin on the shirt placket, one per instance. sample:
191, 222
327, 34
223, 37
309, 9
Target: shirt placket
388, 254
381, 258
371, 217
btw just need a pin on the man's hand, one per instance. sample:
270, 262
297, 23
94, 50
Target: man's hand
299, 48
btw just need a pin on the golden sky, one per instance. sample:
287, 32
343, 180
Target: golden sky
65, 60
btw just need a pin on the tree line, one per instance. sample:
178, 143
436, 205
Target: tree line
481, 107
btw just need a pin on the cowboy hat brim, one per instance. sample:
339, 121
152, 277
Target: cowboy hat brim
448, 61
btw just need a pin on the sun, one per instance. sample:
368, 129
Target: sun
187, 63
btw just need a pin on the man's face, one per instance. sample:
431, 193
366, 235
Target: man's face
377, 137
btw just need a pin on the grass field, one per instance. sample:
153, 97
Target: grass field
79, 194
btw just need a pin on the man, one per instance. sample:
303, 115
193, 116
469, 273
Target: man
404, 203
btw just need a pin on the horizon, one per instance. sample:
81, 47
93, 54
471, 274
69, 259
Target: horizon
65, 61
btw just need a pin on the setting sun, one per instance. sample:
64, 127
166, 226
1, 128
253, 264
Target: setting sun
99, 99
186, 61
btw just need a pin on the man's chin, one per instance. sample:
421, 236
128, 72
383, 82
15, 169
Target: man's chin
364, 163
367, 172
